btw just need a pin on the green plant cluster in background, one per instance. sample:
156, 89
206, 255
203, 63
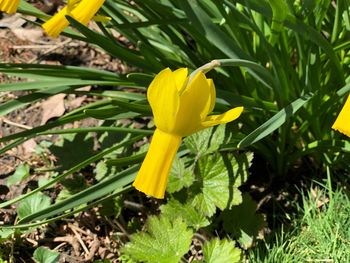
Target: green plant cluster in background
287, 62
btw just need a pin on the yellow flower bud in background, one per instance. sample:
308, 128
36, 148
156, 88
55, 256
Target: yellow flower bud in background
9, 6
180, 107
342, 123
82, 11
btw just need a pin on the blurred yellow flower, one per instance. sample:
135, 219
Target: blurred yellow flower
9, 6
342, 123
81, 10
180, 107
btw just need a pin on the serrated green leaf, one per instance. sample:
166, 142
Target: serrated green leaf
221, 251
218, 182
32, 204
180, 176
164, 242
45, 255
22, 172
243, 222
187, 212
206, 141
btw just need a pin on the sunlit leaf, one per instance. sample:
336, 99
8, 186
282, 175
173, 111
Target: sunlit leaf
219, 177
188, 213
221, 251
45, 255
164, 241
32, 204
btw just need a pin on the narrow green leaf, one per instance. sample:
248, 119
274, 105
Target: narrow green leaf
113, 183
275, 122
22, 101
112, 47
72, 170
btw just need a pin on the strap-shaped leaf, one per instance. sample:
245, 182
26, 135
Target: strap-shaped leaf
116, 182
275, 122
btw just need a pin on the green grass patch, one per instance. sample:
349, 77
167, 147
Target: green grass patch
321, 232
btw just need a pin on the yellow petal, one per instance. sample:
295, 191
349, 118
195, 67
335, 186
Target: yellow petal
9, 6
180, 76
56, 24
103, 19
86, 10
342, 123
72, 4
194, 104
212, 96
163, 97
153, 175
226, 117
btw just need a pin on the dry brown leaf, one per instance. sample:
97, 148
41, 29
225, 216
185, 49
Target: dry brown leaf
86, 88
53, 107
12, 22
32, 34
75, 103
29, 146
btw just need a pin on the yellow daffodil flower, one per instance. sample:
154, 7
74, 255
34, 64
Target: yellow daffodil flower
342, 123
81, 10
180, 106
9, 6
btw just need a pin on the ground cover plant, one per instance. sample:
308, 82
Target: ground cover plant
284, 63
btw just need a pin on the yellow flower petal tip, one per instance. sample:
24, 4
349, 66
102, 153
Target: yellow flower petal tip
180, 106
82, 11
9, 6
342, 123
56, 24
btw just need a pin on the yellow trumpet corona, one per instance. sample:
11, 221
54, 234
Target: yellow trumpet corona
342, 123
82, 11
180, 107
9, 6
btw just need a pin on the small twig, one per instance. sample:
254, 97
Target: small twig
35, 243
79, 230
59, 246
133, 205
77, 235
33, 46
26, 127
120, 226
